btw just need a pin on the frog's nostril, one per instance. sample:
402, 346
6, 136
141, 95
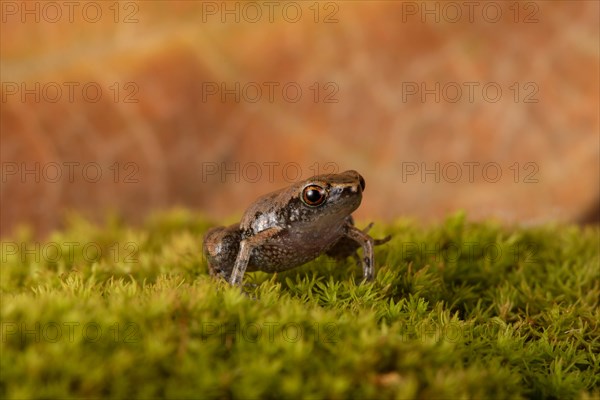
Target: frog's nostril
361, 180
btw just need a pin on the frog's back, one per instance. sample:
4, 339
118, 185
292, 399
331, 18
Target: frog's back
268, 211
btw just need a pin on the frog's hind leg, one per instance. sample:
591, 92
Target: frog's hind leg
220, 248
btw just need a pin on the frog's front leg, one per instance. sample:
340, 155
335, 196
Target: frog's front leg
366, 243
245, 251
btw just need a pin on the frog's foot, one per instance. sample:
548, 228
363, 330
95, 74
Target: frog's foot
386, 239
376, 242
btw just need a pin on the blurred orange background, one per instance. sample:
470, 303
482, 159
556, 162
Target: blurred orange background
490, 107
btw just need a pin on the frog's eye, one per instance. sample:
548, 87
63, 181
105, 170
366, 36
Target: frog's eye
313, 195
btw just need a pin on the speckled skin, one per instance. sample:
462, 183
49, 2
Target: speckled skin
281, 230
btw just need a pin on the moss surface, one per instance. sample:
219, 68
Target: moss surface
457, 310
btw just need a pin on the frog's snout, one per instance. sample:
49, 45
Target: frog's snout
361, 182
352, 177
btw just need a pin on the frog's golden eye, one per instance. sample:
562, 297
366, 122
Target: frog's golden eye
313, 195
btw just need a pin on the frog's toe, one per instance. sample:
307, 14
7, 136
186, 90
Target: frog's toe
376, 242
368, 228
386, 239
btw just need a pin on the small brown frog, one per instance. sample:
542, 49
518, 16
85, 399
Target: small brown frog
289, 227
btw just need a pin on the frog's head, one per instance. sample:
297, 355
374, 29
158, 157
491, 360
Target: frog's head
333, 195
322, 199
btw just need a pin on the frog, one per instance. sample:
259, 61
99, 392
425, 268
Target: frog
291, 226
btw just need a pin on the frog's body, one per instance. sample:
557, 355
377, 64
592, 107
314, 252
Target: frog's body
294, 225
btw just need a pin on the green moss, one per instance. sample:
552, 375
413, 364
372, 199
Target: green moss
458, 310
